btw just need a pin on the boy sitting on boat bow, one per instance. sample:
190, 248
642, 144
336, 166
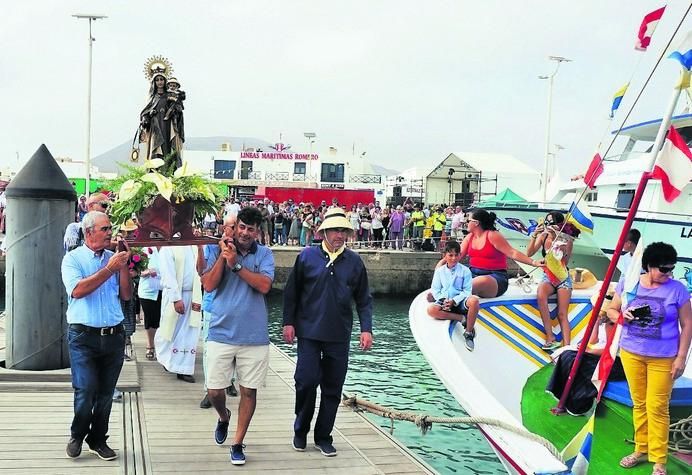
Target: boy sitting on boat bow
451, 289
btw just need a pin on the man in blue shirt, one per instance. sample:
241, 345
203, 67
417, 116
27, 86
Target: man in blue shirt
95, 278
317, 309
238, 338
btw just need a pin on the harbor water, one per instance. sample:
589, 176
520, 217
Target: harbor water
395, 374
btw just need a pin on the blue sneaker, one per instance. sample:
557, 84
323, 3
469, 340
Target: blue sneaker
299, 442
326, 448
237, 455
221, 431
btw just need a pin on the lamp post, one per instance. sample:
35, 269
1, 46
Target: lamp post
558, 60
310, 136
88, 139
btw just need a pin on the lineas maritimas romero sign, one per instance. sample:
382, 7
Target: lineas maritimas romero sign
279, 156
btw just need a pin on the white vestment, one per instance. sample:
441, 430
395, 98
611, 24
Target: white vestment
177, 336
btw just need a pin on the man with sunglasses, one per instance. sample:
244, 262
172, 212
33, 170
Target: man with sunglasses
95, 279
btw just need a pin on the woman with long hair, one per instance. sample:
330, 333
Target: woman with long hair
557, 237
488, 251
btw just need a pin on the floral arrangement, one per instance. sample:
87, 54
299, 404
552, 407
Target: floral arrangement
138, 189
139, 259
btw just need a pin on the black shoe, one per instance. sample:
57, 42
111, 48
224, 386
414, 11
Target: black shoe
186, 377
205, 403
103, 451
299, 442
468, 340
221, 432
231, 391
326, 448
237, 455
74, 448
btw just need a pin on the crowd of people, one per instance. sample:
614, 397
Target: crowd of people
217, 291
406, 226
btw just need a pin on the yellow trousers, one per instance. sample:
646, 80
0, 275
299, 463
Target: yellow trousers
650, 385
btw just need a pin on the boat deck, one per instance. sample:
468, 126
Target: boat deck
159, 428
613, 426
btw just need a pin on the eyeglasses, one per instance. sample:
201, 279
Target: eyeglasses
471, 220
666, 269
105, 229
340, 230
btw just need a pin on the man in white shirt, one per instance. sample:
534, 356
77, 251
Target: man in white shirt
458, 220
630, 245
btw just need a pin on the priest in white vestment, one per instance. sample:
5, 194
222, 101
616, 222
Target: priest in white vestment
178, 334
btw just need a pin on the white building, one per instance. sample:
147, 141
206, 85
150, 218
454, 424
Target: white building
464, 178
278, 166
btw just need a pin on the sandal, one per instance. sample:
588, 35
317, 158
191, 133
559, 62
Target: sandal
659, 470
550, 346
632, 460
150, 355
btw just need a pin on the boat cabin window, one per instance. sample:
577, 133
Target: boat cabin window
591, 196
624, 200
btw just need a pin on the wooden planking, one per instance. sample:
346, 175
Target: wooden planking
180, 434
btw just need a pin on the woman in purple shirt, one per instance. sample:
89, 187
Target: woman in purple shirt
396, 228
655, 340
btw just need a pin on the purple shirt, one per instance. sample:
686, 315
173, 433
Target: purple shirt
396, 222
659, 335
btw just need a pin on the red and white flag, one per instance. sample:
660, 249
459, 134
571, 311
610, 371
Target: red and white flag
646, 30
610, 351
594, 171
673, 165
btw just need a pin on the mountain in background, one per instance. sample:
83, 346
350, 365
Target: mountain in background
107, 162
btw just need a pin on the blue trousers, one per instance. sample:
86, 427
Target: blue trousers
322, 364
96, 363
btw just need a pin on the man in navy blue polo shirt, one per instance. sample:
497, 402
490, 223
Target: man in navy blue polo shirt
95, 278
317, 309
238, 338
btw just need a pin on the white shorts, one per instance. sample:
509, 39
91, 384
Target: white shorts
250, 363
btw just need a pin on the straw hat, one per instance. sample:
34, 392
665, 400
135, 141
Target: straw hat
606, 302
582, 278
128, 226
335, 218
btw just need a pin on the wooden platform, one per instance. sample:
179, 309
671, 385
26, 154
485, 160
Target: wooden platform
161, 429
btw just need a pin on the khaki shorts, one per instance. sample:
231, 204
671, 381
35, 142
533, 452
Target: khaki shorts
250, 363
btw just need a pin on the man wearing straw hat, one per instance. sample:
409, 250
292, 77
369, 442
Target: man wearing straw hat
317, 309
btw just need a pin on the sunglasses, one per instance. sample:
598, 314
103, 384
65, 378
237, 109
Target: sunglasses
666, 269
104, 204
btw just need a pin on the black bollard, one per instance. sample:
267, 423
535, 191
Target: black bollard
40, 205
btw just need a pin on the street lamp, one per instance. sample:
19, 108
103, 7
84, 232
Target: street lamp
88, 141
558, 60
310, 136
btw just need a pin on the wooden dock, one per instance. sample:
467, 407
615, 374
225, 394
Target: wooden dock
159, 428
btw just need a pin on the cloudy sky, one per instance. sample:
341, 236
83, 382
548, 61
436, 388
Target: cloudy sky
406, 81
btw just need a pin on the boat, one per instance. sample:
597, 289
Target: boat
609, 203
504, 378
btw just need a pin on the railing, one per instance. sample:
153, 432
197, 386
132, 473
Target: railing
366, 179
222, 174
254, 175
299, 177
277, 176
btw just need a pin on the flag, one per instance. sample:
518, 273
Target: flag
577, 454
580, 217
594, 171
610, 351
673, 165
617, 99
684, 52
646, 30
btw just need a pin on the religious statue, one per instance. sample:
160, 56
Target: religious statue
161, 120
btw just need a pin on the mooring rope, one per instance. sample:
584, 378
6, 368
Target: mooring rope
681, 436
424, 422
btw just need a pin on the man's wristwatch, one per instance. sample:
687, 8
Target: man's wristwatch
237, 267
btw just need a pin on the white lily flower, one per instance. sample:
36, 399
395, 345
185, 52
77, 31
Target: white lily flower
153, 164
184, 170
163, 184
128, 190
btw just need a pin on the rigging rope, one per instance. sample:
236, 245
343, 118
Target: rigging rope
424, 422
